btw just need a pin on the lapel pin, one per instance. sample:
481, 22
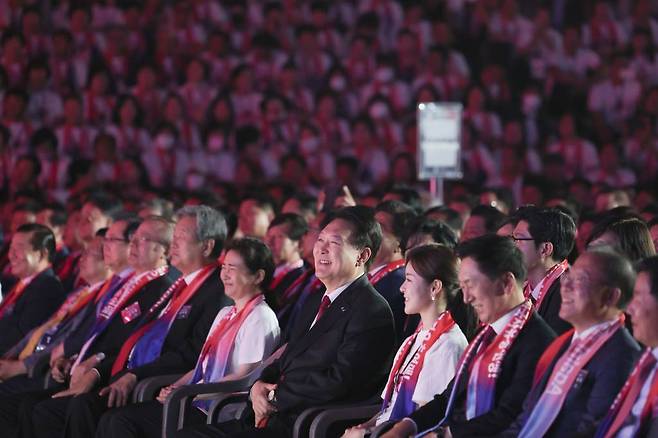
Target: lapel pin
343, 309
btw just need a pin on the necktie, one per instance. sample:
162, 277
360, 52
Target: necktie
324, 305
487, 336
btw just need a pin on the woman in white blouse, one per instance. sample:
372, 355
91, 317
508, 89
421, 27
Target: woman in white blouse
427, 360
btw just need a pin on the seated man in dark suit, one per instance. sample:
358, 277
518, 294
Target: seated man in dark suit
387, 270
170, 344
545, 237
38, 342
633, 413
38, 292
284, 238
579, 375
342, 342
495, 371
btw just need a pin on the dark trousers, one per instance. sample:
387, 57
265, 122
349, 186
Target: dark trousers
141, 420
20, 384
68, 416
16, 412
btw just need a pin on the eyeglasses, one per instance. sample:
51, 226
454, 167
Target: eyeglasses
521, 239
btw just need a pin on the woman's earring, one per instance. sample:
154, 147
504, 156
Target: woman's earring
433, 298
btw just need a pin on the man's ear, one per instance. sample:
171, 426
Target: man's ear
508, 282
208, 247
547, 249
611, 296
364, 256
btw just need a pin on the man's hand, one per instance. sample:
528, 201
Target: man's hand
402, 429
164, 392
261, 405
82, 368
355, 432
82, 384
60, 369
11, 368
119, 390
346, 199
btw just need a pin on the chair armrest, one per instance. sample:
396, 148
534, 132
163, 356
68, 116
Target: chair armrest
223, 400
348, 414
303, 422
180, 399
147, 389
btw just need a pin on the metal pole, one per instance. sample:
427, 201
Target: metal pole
436, 190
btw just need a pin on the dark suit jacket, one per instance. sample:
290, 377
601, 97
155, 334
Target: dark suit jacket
512, 386
116, 333
389, 288
589, 399
39, 300
187, 334
344, 357
550, 309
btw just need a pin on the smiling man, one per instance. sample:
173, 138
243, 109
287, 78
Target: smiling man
340, 340
495, 371
38, 292
579, 375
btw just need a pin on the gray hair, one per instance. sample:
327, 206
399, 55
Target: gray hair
210, 225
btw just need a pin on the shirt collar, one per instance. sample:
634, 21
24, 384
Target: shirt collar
654, 351
189, 278
336, 292
596, 327
499, 324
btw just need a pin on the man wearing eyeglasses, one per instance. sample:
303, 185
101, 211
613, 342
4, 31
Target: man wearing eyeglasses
545, 238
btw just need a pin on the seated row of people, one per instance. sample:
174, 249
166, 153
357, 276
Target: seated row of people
147, 317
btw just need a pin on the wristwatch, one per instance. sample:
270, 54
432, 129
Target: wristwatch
271, 396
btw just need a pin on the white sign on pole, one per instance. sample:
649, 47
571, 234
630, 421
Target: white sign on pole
439, 140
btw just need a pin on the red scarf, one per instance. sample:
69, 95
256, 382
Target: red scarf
383, 272
553, 274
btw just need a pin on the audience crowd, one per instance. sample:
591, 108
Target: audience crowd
161, 95
226, 192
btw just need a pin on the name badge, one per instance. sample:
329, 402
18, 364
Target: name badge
184, 312
131, 312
